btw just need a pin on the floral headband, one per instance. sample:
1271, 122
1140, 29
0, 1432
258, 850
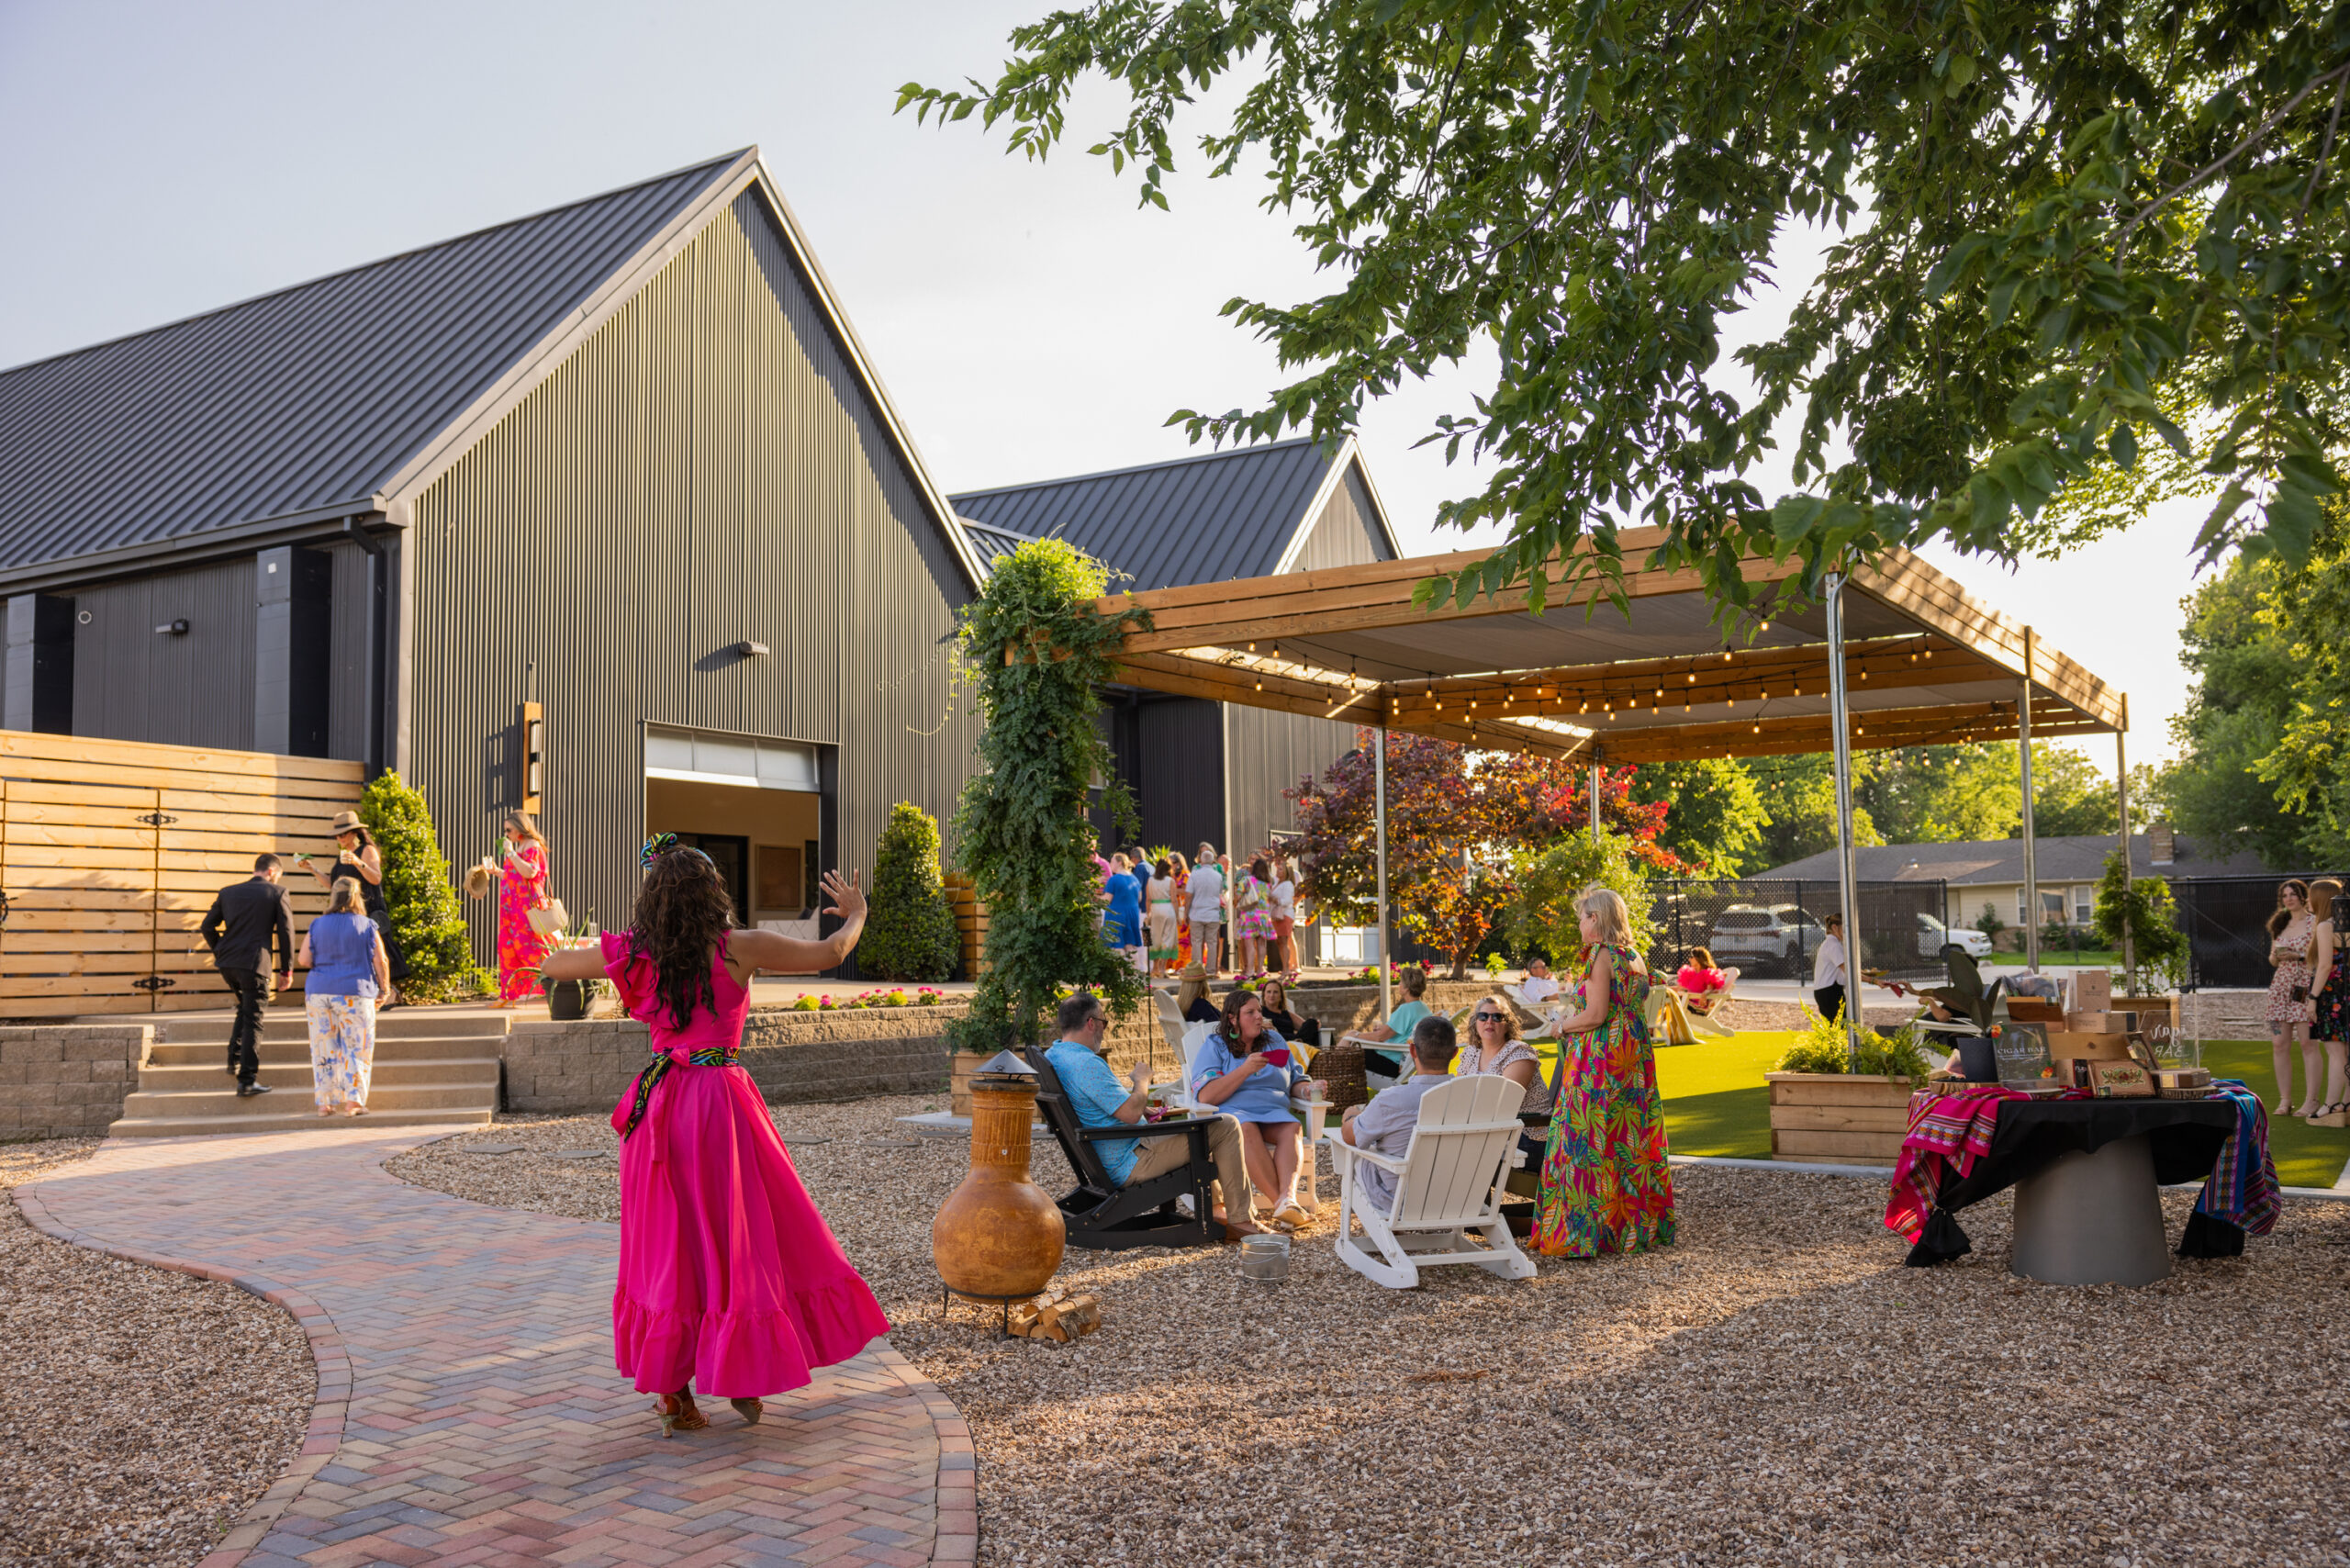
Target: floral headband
662, 844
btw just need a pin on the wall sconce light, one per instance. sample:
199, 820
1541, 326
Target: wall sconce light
172, 627
751, 650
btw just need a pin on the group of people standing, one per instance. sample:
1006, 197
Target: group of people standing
2309, 995
1165, 913
352, 961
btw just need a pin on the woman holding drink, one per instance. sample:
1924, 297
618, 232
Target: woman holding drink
1244, 1070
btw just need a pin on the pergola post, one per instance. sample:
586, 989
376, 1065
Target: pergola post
1379, 820
1847, 880
2122, 799
1595, 802
2031, 864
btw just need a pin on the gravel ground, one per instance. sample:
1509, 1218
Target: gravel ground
146, 1410
1776, 1388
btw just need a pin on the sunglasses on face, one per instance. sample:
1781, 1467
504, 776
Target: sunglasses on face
1489, 1017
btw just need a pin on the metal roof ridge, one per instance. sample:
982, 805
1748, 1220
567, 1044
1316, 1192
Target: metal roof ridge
1252, 450
727, 161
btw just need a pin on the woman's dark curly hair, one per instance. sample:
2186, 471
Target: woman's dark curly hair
681, 913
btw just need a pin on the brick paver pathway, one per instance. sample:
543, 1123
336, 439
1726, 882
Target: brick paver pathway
467, 1409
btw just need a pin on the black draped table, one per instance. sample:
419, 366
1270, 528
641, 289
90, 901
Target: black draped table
2086, 1174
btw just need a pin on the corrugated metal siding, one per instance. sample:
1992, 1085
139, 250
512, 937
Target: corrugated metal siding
131, 683
705, 469
304, 398
1346, 534
1177, 772
1270, 753
1198, 520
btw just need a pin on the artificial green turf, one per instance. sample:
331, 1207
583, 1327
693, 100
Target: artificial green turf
2305, 1156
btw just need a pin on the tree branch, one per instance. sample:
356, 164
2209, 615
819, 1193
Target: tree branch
2224, 159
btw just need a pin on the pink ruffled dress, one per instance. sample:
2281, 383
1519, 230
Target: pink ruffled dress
728, 1277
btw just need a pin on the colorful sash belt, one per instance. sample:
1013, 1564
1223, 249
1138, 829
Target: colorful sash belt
659, 1068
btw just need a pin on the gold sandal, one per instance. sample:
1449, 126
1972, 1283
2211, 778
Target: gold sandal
679, 1413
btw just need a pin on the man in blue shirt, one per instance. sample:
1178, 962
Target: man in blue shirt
1386, 1125
1095, 1094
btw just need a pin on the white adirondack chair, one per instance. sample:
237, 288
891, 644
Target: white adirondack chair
1313, 1112
1448, 1182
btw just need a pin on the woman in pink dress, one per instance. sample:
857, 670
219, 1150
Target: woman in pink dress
727, 1275
522, 876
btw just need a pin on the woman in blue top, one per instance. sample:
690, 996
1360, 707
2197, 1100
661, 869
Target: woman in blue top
1245, 1071
1122, 924
344, 953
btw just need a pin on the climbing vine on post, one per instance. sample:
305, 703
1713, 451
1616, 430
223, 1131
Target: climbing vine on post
1038, 654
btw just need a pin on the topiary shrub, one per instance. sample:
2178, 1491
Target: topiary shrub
423, 907
910, 935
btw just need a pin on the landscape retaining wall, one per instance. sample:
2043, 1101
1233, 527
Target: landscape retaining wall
68, 1080
793, 1056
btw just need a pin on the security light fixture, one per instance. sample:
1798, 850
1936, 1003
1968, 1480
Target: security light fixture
172, 627
751, 650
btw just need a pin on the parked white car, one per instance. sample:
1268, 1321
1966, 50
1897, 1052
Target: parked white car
1932, 935
1781, 936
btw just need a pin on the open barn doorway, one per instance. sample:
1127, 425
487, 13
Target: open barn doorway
753, 806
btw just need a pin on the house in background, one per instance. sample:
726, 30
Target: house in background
602, 512
1977, 872
1201, 769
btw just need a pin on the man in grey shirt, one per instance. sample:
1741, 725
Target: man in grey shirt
1384, 1126
1206, 911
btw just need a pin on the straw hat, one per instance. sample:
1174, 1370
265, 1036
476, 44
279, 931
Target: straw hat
344, 821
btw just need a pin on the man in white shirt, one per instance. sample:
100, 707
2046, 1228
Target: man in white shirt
1207, 911
1538, 987
1828, 972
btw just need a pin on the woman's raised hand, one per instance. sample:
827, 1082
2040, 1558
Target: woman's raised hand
847, 897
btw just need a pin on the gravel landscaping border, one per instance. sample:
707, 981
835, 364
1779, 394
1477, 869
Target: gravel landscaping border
1776, 1388
154, 1408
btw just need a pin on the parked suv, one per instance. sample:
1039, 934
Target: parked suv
1932, 935
1760, 939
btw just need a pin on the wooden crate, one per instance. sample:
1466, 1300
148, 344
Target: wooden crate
970, 923
1825, 1118
111, 851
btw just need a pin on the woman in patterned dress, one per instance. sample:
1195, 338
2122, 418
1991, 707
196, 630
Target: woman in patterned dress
1252, 904
349, 970
521, 888
2329, 1014
2290, 933
1182, 870
1605, 1183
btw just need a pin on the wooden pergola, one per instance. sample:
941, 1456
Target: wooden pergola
1922, 664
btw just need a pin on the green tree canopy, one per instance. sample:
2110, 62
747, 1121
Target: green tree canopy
1715, 818
2069, 235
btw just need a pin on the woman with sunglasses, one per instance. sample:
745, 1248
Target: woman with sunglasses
1494, 1048
728, 1274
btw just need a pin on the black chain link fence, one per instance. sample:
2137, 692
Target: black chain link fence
1774, 927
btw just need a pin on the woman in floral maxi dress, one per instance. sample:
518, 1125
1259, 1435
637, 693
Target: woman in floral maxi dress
521, 888
1605, 1183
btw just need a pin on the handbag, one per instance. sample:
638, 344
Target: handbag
550, 919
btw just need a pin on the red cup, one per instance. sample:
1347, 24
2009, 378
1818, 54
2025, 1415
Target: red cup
1278, 1056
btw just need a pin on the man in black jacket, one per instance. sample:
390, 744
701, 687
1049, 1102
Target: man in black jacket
239, 929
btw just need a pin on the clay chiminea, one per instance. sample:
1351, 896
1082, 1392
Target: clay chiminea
999, 1235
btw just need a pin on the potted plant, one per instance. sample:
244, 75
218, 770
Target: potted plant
572, 1000
1827, 1108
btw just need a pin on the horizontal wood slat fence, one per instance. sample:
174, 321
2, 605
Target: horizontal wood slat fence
111, 851
970, 923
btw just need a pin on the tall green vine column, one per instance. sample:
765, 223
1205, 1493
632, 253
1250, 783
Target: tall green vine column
1037, 656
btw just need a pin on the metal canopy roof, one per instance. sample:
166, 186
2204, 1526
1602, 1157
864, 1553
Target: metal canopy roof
1926, 664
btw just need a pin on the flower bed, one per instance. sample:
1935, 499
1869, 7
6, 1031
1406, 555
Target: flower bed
895, 996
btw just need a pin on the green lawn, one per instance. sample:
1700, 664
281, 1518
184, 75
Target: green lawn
1716, 1103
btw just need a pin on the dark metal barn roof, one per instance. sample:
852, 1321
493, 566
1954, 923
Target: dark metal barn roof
305, 400
1196, 520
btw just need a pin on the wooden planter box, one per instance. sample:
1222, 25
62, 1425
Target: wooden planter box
1834, 1118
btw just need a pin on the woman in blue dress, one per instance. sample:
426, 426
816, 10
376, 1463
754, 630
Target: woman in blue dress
1245, 1069
1122, 924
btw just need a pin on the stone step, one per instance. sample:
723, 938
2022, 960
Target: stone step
296, 1051
480, 1071
225, 1102
300, 1118
291, 1023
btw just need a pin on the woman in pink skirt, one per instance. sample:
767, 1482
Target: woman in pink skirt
728, 1274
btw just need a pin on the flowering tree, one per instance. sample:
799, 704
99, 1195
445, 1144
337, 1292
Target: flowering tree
1455, 819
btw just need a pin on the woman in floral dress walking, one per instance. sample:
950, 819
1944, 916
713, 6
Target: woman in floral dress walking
1605, 1183
521, 888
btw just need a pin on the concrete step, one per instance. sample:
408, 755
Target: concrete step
224, 1102
291, 1023
300, 1118
296, 1051
478, 1071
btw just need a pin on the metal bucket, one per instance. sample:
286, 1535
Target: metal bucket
1264, 1258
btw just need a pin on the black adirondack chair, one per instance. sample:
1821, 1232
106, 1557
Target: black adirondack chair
1102, 1214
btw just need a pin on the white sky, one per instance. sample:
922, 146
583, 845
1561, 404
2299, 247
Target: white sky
1028, 320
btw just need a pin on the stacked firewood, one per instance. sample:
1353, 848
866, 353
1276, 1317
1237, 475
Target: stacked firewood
1057, 1315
